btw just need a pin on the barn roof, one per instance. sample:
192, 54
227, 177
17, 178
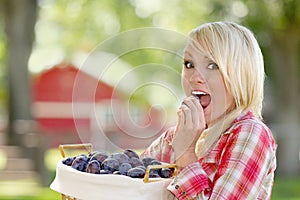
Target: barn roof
66, 83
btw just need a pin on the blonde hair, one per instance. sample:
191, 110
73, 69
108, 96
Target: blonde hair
238, 55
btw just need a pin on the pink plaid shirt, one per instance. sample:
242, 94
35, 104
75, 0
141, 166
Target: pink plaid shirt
239, 166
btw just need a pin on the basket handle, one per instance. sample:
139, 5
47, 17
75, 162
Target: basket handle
87, 146
150, 167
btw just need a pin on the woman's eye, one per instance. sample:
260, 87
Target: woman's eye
188, 64
213, 66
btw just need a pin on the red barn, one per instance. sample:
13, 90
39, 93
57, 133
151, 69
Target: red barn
71, 106
59, 91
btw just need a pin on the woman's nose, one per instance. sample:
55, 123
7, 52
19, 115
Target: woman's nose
197, 77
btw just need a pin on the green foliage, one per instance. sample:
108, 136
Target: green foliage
83, 24
3, 76
66, 27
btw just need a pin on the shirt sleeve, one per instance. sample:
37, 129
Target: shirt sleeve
245, 162
161, 148
190, 182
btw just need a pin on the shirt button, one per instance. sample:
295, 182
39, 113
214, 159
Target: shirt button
176, 187
183, 193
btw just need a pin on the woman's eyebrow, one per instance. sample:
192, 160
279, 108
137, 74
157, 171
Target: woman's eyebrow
186, 53
206, 58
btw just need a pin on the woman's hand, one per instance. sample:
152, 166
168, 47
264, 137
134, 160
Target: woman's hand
190, 125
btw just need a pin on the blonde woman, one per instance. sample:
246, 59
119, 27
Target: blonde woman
220, 144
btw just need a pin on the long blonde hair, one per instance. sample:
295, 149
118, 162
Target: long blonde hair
236, 51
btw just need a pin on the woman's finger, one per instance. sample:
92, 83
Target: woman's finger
194, 106
180, 121
188, 121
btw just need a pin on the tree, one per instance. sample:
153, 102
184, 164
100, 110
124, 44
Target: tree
20, 18
277, 26
274, 22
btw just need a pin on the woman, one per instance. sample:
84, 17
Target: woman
221, 146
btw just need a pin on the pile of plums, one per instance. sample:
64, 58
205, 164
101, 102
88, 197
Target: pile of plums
126, 163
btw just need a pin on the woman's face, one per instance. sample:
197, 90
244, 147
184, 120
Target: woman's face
201, 77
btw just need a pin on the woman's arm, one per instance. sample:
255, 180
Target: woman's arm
245, 163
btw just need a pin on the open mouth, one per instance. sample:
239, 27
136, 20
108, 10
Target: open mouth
203, 97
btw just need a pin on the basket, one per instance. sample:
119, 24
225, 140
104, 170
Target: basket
75, 185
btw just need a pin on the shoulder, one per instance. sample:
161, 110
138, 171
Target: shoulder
252, 130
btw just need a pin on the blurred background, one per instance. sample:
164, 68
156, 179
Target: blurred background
52, 91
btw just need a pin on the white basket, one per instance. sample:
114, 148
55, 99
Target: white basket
73, 184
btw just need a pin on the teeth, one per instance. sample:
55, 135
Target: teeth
198, 93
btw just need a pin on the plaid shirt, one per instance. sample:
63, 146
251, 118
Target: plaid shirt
239, 166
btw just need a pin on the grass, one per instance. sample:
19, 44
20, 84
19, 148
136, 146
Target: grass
42, 194
286, 189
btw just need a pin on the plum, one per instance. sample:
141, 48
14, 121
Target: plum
136, 172
121, 157
93, 167
125, 163
155, 162
154, 175
68, 161
166, 173
83, 157
142, 167
100, 156
131, 153
124, 167
147, 161
136, 162
80, 163
110, 164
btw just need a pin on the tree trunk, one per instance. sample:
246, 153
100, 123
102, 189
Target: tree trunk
20, 18
285, 50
